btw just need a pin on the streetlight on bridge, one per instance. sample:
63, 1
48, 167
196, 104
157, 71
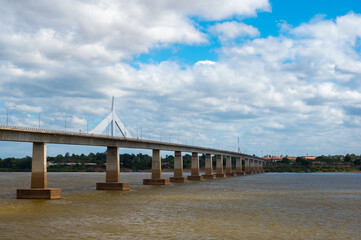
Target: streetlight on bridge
65, 121
39, 117
88, 119
7, 114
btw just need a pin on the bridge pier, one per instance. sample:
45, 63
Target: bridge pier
156, 171
229, 172
247, 166
261, 166
39, 188
178, 168
219, 172
254, 166
239, 166
112, 180
195, 173
253, 170
209, 167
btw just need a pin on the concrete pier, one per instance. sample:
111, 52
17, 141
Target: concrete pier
229, 171
178, 168
156, 171
219, 172
254, 167
195, 173
239, 166
39, 188
112, 179
251, 162
248, 166
209, 167
261, 166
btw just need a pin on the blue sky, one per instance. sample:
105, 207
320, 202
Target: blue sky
284, 76
293, 12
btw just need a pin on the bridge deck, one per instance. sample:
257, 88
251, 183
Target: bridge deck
23, 134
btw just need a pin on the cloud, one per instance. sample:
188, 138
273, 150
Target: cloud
41, 33
298, 91
230, 30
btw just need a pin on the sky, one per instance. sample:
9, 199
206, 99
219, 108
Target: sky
282, 76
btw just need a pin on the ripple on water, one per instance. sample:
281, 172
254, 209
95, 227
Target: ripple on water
265, 206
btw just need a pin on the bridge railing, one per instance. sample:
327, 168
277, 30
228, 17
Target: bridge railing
33, 129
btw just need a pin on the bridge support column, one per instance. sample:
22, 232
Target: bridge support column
261, 166
252, 167
178, 168
220, 173
112, 179
238, 166
229, 172
209, 167
247, 166
39, 188
156, 171
195, 174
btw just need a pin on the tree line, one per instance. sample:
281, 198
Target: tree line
134, 162
336, 163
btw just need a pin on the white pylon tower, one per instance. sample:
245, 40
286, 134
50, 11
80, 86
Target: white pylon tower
113, 120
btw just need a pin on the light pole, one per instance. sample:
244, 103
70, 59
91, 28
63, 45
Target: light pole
141, 131
39, 117
87, 125
65, 121
87, 122
7, 114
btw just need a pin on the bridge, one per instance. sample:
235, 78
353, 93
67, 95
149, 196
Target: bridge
40, 138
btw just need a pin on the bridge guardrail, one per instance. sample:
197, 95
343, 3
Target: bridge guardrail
3, 126
12, 127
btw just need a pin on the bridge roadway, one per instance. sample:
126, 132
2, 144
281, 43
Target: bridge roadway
40, 137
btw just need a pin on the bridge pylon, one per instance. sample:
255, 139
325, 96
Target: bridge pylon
113, 120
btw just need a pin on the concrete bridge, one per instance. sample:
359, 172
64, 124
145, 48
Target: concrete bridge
40, 138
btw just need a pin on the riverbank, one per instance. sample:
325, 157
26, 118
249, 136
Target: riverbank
313, 168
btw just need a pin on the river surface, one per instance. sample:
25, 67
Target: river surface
263, 206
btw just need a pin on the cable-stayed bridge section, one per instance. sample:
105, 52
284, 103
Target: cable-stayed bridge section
40, 138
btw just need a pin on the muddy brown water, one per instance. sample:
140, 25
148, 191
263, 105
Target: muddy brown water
263, 206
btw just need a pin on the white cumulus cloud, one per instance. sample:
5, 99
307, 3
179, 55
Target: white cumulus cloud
70, 58
231, 30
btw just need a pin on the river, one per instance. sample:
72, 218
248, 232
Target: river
262, 206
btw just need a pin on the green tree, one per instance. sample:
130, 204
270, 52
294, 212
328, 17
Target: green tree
302, 161
285, 160
347, 159
357, 162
